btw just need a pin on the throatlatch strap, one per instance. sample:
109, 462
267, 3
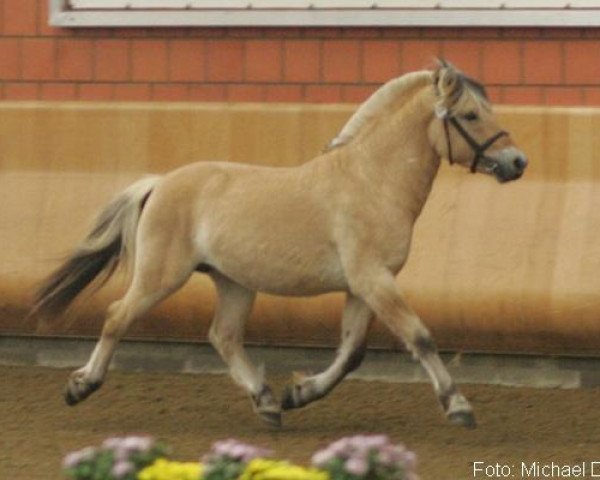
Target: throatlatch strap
448, 144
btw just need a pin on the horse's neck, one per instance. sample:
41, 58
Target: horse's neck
384, 101
398, 157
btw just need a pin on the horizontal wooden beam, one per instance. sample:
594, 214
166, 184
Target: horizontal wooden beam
324, 13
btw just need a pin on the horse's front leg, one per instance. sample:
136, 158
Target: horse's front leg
378, 289
355, 323
227, 334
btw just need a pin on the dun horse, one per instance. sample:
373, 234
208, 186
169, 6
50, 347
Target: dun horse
340, 222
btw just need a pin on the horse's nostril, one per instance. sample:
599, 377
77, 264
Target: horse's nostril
520, 163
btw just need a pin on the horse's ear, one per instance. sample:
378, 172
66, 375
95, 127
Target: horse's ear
448, 81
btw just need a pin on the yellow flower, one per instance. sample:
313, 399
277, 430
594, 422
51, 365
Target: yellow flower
261, 469
163, 469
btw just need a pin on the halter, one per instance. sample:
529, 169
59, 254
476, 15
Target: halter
478, 149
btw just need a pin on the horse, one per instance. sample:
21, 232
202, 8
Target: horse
342, 221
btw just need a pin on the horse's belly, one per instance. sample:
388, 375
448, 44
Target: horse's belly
290, 285
282, 272
287, 280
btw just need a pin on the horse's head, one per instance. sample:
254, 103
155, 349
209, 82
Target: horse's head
467, 132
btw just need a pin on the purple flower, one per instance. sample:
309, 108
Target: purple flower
75, 458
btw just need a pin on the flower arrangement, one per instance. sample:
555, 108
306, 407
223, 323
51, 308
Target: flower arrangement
163, 469
228, 459
366, 457
116, 459
362, 457
262, 469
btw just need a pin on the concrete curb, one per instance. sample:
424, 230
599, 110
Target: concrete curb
508, 370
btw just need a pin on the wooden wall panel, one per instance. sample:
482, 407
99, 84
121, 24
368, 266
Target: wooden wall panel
494, 267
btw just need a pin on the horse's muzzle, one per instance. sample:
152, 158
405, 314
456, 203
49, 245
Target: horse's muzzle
510, 166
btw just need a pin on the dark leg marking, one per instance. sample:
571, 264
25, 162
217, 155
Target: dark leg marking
425, 345
266, 406
445, 396
355, 359
291, 397
462, 416
72, 400
292, 394
265, 395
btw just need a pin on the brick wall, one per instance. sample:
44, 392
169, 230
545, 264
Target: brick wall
520, 66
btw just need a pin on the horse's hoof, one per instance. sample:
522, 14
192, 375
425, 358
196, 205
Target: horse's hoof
76, 392
463, 418
289, 397
271, 417
70, 399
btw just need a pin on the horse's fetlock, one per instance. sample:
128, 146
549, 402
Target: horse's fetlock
266, 406
446, 396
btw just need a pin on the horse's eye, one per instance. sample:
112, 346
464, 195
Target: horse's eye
470, 116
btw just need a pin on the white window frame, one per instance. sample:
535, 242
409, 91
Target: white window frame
325, 13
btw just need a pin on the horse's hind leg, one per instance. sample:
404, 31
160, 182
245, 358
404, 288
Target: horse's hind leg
355, 324
379, 291
227, 335
156, 276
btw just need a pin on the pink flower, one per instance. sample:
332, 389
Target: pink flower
409, 459
112, 442
75, 458
376, 441
121, 468
322, 457
356, 466
341, 446
137, 443
239, 451
235, 450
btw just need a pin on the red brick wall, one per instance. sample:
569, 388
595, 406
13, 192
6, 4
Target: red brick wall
520, 66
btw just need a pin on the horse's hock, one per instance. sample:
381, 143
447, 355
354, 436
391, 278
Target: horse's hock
511, 268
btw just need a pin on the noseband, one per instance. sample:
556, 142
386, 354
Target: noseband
478, 149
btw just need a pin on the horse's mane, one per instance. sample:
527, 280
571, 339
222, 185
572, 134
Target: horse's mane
386, 99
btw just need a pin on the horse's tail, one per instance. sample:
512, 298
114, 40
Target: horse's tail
110, 242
